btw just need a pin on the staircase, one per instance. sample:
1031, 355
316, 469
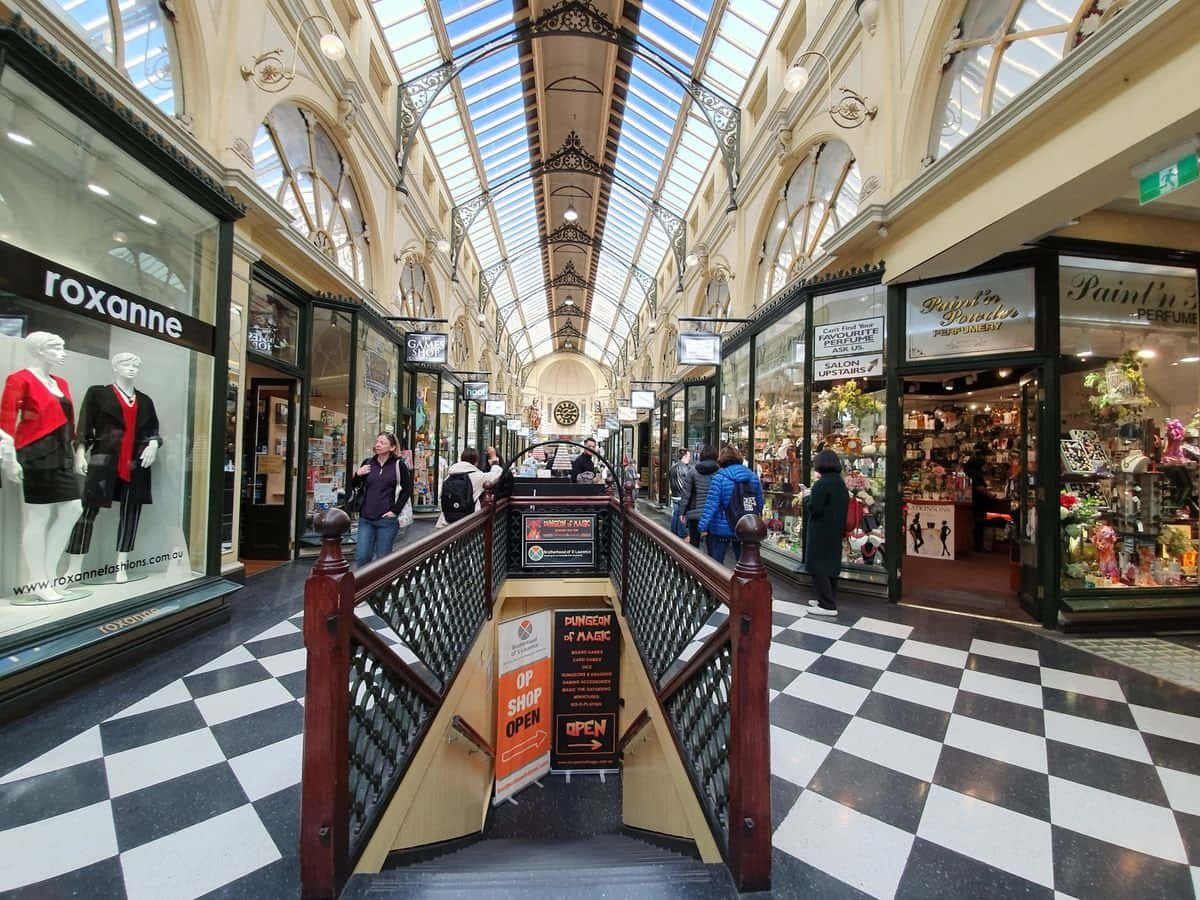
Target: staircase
606, 865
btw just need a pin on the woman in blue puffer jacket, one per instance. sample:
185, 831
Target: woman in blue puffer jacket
714, 521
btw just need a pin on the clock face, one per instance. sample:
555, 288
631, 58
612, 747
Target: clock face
566, 413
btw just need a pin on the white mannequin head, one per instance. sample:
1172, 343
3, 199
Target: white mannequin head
47, 349
126, 365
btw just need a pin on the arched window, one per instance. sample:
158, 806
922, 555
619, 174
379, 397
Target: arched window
297, 163
998, 50
137, 37
819, 198
458, 345
152, 274
416, 297
716, 296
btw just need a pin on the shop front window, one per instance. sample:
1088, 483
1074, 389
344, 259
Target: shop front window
274, 328
448, 428
779, 428
697, 418
735, 400
849, 402
328, 411
375, 407
655, 450
677, 435
89, 343
425, 450
1130, 438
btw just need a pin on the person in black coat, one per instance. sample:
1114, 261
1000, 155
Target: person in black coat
694, 493
584, 462
824, 531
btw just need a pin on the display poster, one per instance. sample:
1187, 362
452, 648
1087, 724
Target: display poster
475, 390
324, 494
558, 541
855, 338
426, 347
446, 404
929, 530
522, 703
1108, 292
587, 663
971, 316
869, 366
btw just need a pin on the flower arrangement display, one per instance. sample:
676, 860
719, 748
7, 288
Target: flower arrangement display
1118, 391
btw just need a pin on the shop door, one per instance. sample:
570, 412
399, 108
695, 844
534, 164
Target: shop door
268, 455
1026, 496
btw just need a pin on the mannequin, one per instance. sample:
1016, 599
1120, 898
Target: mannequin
118, 443
36, 409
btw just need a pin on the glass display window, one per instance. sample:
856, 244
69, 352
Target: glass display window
425, 448
274, 326
328, 421
735, 400
448, 428
1130, 426
655, 455
376, 404
677, 435
697, 418
779, 413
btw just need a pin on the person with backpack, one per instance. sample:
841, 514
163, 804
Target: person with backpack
733, 492
675, 478
384, 486
824, 529
463, 485
695, 492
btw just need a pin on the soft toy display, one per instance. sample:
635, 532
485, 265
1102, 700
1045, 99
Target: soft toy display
1105, 540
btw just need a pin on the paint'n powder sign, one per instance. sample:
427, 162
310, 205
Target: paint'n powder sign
971, 316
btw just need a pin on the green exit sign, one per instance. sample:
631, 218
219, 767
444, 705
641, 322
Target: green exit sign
1169, 178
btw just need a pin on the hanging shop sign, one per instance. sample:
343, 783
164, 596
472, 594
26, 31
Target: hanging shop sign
971, 316
426, 348
475, 390
493, 408
626, 414
641, 399
870, 366
611, 423
699, 348
522, 703
854, 338
587, 662
39, 279
1104, 292
550, 542
514, 424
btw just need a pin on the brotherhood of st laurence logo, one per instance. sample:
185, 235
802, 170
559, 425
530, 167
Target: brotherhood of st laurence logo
525, 630
536, 553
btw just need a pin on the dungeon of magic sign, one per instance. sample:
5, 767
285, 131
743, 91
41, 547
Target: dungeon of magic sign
549, 542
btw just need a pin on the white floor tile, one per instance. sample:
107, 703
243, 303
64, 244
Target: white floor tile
771, 695
1089, 685
994, 835
1196, 880
880, 626
283, 629
936, 653
788, 608
79, 749
286, 663
795, 758
819, 627
234, 657
269, 769
860, 850
175, 692
791, 657
917, 690
1119, 820
1183, 790
1017, 748
57, 845
828, 692
1005, 651
864, 656
775, 631
1101, 736
1002, 688
891, 748
241, 701
200, 858
132, 770
1166, 724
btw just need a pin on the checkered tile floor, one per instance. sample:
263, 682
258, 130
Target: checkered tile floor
913, 755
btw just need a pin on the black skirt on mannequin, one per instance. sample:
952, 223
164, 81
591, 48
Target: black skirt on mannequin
48, 464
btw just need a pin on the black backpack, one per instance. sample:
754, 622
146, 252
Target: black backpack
458, 497
504, 485
742, 501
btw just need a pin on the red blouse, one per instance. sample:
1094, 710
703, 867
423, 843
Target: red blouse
39, 410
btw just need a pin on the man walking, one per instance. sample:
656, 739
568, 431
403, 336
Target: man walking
676, 477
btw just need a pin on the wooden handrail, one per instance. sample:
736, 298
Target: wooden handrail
463, 727
642, 720
389, 660
702, 657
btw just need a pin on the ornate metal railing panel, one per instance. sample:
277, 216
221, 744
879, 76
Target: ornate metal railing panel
700, 714
387, 719
616, 551
436, 606
666, 604
500, 544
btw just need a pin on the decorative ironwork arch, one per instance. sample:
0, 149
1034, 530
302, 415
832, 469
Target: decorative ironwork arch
573, 18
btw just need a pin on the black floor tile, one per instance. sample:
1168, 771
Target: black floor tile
1145, 690
1012, 787
280, 813
1173, 754
146, 728
1088, 707
294, 682
792, 878
782, 619
779, 677
1086, 867
804, 640
267, 726
280, 879
161, 809
871, 639
1005, 668
936, 873
784, 795
810, 720
874, 790
850, 673
276, 645
1106, 772
1189, 830
53, 793
906, 716
225, 679
926, 670
1000, 712
104, 879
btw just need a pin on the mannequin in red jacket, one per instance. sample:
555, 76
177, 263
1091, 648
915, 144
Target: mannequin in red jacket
36, 409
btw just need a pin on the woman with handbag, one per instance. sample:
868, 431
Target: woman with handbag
383, 487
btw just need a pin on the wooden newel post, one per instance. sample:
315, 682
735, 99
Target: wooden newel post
325, 777
749, 714
487, 502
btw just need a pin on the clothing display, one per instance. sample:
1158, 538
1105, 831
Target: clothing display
42, 426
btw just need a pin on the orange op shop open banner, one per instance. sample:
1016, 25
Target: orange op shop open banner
522, 703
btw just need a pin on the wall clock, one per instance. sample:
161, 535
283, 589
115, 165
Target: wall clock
566, 412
